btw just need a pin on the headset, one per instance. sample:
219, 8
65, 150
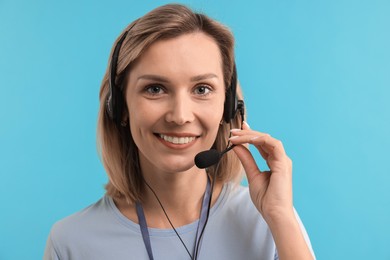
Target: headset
115, 99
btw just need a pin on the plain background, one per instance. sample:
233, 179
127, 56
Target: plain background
316, 75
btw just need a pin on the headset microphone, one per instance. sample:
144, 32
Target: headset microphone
208, 158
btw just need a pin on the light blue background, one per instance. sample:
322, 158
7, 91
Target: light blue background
316, 74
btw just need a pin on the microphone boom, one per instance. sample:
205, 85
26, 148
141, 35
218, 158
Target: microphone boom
208, 158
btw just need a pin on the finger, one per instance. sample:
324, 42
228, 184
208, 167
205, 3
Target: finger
245, 126
263, 153
266, 144
270, 145
247, 160
250, 133
241, 132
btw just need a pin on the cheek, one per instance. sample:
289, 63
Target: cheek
211, 116
140, 117
213, 111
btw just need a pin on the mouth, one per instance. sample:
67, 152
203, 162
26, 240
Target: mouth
178, 140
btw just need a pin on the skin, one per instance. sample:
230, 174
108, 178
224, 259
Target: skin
271, 191
171, 91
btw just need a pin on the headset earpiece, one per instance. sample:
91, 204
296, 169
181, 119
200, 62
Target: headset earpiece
231, 100
114, 102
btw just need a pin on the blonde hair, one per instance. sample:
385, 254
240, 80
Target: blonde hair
116, 146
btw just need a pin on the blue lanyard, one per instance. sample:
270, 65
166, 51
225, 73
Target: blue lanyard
202, 221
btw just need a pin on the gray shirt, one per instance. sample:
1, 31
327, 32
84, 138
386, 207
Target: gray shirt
235, 230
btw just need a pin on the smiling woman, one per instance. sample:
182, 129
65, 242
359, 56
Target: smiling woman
174, 101
169, 93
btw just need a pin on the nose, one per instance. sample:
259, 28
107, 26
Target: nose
180, 110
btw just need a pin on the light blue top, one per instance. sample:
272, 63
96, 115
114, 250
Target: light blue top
235, 230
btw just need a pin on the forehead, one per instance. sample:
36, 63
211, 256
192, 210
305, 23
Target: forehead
194, 51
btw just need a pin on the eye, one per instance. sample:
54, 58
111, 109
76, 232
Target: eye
154, 90
202, 90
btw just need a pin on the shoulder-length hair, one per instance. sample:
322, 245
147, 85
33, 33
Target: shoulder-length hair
116, 147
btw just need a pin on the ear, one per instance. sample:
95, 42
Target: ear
125, 114
125, 109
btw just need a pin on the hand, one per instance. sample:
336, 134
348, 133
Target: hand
271, 191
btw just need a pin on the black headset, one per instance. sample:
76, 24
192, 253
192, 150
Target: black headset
115, 99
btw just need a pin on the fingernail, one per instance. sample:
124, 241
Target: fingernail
233, 137
254, 138
235, 130
247, 124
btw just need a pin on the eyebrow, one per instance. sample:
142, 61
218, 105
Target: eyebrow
165, 80
204, 76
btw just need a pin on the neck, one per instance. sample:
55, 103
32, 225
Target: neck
181, 195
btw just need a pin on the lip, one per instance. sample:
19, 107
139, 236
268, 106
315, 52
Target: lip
178, 134
177, 146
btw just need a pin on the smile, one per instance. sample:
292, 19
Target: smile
177, 140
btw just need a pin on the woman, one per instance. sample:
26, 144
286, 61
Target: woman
170, 93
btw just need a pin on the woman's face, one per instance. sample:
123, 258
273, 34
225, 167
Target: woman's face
175, 95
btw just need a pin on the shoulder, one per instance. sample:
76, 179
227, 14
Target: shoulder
238, 199
93, 233
239, 211
237, 228
80, 226
82, 219
237, 205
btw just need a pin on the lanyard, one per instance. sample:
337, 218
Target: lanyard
201, 224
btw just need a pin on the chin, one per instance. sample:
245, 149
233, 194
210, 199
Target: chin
177, 166
173, 163
180, 161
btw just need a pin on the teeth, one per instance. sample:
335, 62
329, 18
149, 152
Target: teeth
177, 140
